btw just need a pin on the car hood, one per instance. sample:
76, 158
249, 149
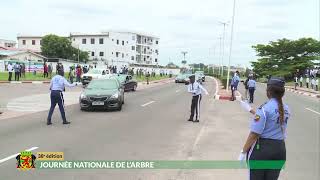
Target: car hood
99, 92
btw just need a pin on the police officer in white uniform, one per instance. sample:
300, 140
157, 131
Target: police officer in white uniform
57, 85
266, 140
196, 89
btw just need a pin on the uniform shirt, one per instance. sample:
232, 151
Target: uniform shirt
235, 80
58, 83
266, 122
10, 68
301, 79
16, 68
252, 83
196, 89
307, 80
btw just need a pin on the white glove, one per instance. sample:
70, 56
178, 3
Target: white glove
246, 106
242, 156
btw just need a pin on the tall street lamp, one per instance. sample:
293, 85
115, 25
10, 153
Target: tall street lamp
231, 39
223, 39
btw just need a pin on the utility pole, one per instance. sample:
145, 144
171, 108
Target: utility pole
231, 39
78, 54
220, 39
223, 39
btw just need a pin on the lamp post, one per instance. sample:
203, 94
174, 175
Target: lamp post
223, 39
220, 63
231, 39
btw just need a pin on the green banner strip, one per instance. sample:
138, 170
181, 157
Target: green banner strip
159, 164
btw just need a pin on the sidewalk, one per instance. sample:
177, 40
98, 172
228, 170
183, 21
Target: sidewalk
304, 91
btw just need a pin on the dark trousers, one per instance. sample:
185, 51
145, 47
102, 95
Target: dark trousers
251, 94
10, 76
45, 74
269, 149
233, 89
195, 107
307, 85
16, 76
300, 84
71, 79
56, 97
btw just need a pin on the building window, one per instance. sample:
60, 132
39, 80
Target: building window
33, 42
145, 40
155, 60
92, 53
101, 54
132, 58
144, 59
117, 41
23, 42
112, 39
157, 42
122, 55
84, 41
127, 42
122, 43
101, 41
133, 38
156, 51
133, 48
112, 52
74, 39
117, 54
92, 40
40, 42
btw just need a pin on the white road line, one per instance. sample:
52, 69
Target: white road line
178, 90
15, 155
313, 111
146, 104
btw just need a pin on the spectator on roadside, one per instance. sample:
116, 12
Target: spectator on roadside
71, 74
17, 71
313, 83
10, 70
317, 84
23, 70
20, 66
35, 70
301, 80
296, 82
307, 81
245, 83
45, 70
50, 68
78, 73
147, 77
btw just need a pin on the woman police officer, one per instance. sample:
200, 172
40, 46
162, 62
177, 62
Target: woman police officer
268, 132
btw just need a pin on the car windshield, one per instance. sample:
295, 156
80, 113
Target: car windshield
103, 84
181, 76
95, 71
121, 78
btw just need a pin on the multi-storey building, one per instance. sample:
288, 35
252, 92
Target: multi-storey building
119, 48
7, 43
111, 47
32, 43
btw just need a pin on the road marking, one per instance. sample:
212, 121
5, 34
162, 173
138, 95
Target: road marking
146, 104
313, 111
178, 90
15, 155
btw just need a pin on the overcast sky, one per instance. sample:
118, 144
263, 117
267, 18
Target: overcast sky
182, 25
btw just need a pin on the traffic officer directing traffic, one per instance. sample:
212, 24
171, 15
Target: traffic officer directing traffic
268, 132
196, 89
57, 85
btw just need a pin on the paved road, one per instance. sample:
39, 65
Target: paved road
303, 143
156, 131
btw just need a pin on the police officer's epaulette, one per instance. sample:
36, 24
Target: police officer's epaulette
263, 105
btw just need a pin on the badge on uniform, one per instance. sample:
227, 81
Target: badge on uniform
256, 118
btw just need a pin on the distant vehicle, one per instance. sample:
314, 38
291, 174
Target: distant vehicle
181, 78
201, 75
127, 81
96, 73
197, 78
102, 94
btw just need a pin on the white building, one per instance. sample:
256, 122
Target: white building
7, 43
32, 43
119, 48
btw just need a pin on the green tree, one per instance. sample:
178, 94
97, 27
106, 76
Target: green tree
54, 46
284, 57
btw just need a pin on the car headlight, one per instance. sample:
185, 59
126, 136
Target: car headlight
83, 96
115, 96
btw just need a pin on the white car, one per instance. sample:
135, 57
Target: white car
96, 73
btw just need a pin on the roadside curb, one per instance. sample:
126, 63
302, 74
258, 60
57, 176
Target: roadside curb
303, 93
24, 82
218, 96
